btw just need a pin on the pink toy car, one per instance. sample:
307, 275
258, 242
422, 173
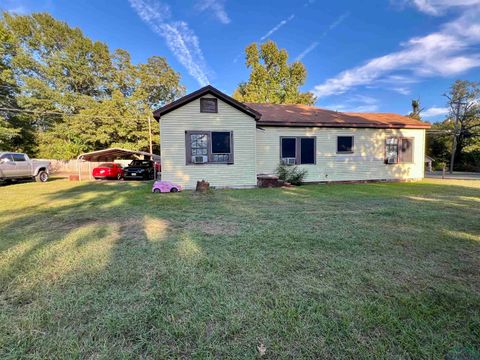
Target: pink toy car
165, 186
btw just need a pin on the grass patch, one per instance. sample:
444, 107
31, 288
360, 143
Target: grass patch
109, 270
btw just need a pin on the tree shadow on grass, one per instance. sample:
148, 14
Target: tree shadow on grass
152, 275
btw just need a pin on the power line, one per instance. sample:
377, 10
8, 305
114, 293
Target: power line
39, 112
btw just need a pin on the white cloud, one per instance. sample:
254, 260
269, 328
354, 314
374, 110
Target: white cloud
277, 27
179, 38
435, 111
308, 50
443, 53
402, 90
217, 7
314, 44
151, 11
438, 7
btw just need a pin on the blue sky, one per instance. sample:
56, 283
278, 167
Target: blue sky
372, 56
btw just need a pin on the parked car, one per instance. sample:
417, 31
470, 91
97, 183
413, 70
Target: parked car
139, 169
165, 186
108, 171
16, 166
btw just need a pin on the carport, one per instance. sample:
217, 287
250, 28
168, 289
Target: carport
112, 154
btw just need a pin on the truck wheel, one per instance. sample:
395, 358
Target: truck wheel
42, 176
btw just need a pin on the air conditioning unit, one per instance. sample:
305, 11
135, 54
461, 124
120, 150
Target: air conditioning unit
391, 160
289, 161
199, 159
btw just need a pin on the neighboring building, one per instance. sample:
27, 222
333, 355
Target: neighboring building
209, 135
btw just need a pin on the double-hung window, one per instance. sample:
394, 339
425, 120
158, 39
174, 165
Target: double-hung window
209, 147
297, 150
398, 150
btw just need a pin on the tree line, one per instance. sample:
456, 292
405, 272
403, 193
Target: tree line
455, 142
62, 93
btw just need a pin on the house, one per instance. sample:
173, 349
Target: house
209, 135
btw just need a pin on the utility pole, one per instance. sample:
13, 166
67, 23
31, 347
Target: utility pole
455, 134
150, 133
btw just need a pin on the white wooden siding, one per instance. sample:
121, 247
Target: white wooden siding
366, 162
188, 117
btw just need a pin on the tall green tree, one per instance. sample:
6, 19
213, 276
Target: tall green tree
75, 94
458, 136
8, 90
464, 103
272, 79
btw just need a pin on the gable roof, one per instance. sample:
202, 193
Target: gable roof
300, 115
310, 116
201, 92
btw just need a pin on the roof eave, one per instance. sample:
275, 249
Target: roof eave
350, 125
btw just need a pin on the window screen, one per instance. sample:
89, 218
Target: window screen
391, 150
199, 144
307, 151
345, 144
288, 148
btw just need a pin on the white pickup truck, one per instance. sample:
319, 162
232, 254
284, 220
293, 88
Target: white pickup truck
14, 166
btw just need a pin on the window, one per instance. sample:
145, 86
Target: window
307, 151
406, 150
6, 158
297, 150
398, 150
209, 147
208, 105
289, 148
199, 144
345, 144
221, 146
18, 157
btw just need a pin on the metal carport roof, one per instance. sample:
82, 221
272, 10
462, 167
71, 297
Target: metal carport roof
116, 153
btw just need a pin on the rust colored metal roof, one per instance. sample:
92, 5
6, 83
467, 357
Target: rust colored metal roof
310, 116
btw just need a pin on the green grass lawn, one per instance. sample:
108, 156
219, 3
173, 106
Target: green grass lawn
109, 270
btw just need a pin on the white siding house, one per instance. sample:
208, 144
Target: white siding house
366, 162
228, 143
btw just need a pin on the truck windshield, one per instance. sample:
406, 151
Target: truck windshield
18, 157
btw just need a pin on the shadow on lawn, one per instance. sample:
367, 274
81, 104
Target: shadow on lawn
158, 274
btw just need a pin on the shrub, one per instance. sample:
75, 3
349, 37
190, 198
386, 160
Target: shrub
290, 173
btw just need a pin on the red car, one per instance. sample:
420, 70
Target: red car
108, 171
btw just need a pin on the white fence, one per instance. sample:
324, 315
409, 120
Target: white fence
64, 168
